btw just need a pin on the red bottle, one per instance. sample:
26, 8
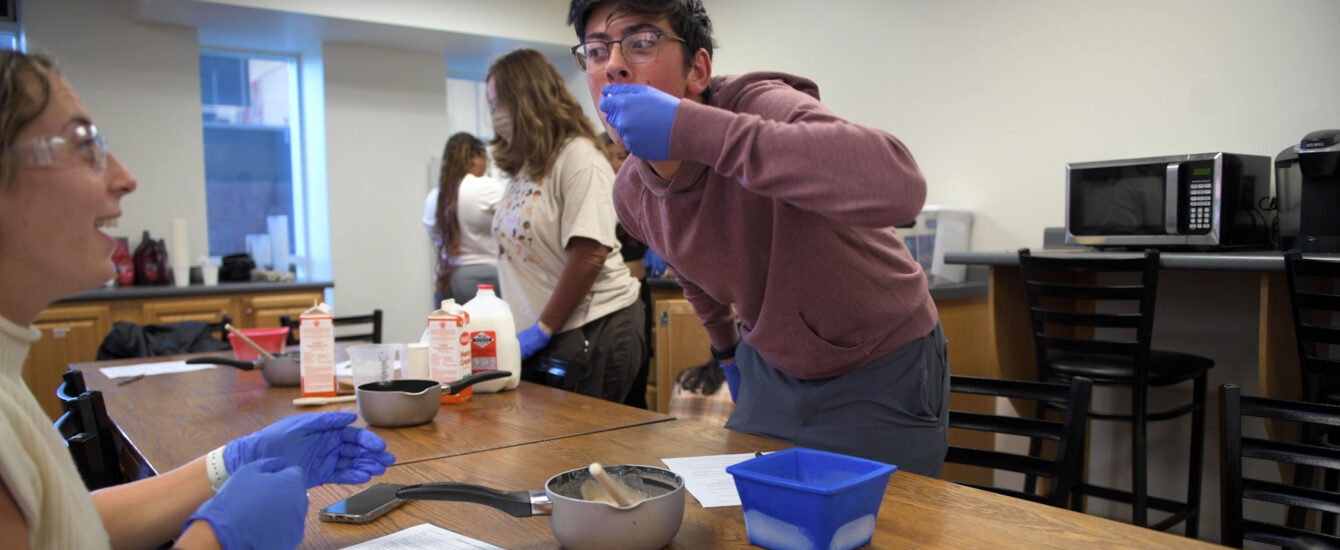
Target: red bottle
164, 267
148, 265
125, 266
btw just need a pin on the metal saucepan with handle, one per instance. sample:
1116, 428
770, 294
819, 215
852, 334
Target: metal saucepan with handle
278, 370
581, 523
407, 402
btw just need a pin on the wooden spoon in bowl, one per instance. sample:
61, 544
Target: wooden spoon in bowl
616, 489
249, 342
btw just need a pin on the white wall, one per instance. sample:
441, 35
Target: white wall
994, 98
531, 20
385, 118
141, 83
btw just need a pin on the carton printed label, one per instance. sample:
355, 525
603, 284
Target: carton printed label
318, 356
483, 351
447, 357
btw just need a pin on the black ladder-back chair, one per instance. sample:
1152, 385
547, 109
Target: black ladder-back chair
1235, 487
373, 334
1064, 470
217, 328
1084, 327
88, 432
1314, 293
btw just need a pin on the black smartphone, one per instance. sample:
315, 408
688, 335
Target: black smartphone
363, 506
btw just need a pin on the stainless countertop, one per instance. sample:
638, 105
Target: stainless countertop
170, 291
1254, 260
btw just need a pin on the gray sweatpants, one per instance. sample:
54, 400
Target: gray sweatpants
894, 409
465, 281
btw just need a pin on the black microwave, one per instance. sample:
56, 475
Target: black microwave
1202, 201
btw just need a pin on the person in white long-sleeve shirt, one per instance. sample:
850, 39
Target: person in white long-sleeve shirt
459, 216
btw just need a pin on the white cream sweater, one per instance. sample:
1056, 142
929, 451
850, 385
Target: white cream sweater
35, 466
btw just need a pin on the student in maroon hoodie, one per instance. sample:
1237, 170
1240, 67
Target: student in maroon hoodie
759, 197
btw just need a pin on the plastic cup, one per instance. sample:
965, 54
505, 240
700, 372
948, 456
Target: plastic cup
181, 275
418, 361
209, 274
377, 362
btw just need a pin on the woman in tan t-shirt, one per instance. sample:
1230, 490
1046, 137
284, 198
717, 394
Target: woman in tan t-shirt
576, 306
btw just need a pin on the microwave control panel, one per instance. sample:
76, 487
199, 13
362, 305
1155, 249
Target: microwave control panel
1197, 204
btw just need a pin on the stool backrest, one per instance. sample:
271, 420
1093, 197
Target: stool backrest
371, 333
1236, 486
1070, 296
1064, 469
1314, 293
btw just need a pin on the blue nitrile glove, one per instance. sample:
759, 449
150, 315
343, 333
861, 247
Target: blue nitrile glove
323, 445
262, 505
642, 116
732, 371
532, 340
655, 265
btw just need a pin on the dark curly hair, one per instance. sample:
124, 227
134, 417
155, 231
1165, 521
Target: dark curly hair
457, 155
706, 378
687, 18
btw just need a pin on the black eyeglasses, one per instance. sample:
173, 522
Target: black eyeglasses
639, 47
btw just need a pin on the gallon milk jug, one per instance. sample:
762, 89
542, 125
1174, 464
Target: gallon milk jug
493, 343
449, 348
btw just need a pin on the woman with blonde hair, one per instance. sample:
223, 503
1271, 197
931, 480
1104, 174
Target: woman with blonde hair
59, 186
459, 217
576, 306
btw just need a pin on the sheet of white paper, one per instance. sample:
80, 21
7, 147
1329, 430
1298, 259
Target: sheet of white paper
149, 369
706, 479
423, 537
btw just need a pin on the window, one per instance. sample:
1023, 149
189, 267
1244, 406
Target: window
11, 30
250, 112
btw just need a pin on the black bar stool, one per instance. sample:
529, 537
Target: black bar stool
1237, 486
1314, 294
1064, 469
1083, 325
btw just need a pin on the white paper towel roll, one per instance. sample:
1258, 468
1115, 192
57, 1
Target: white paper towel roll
278, 228
178, 252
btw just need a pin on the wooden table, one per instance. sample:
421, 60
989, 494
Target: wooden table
171, 419
917, 512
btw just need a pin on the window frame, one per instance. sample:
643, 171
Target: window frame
299, 237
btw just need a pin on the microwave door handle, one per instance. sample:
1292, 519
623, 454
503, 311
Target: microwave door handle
1170, 197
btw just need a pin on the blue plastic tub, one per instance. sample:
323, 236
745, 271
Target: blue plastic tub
802, 499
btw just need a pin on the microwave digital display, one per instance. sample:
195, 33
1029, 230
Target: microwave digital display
1120, 200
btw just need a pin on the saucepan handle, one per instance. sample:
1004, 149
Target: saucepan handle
454, 387
521, 504
244, 365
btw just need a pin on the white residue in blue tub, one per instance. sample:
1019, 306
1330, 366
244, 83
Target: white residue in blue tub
770, 532
855, 533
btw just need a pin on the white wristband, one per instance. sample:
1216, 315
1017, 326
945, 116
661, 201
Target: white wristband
214, 466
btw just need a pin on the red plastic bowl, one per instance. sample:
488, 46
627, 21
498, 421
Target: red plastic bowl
271, 339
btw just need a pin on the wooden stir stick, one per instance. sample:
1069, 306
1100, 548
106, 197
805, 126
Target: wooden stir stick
616, 489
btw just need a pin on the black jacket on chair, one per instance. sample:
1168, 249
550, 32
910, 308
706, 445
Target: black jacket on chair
129, 340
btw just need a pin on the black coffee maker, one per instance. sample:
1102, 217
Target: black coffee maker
1307, 189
